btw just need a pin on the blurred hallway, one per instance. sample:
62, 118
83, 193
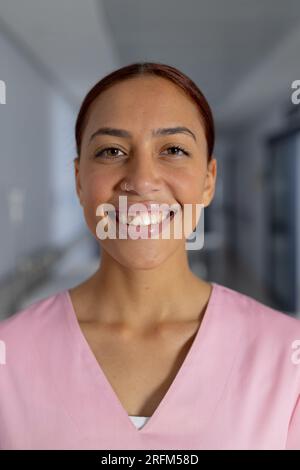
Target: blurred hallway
244, 58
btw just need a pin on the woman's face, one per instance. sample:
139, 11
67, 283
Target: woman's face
151, 166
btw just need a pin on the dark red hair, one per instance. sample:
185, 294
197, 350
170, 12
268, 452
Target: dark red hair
154, 69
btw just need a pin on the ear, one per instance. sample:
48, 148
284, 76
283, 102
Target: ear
210, 182
77, 179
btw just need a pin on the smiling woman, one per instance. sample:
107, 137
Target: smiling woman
144, 354
149, 127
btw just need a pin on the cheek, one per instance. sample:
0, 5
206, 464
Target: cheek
188, 186
188, 190
97, 188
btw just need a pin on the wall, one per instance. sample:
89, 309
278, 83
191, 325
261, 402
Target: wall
37, 203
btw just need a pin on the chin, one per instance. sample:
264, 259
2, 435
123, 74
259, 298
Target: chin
143, 254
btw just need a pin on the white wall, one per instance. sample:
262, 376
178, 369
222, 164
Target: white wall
66, 212
38, 206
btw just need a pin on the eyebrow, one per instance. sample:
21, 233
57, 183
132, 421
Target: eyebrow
155, 133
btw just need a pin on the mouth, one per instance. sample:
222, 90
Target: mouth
147, 223
145, 218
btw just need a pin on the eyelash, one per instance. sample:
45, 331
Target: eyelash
100, 152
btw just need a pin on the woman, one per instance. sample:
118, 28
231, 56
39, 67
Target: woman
144, 354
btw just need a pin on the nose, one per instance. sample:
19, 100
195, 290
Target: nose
141, 179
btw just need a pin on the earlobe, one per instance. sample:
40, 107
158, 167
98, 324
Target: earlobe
210, 183
77, 179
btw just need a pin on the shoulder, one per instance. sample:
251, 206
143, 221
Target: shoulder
269, 340
259, 319
31, 321
267, 357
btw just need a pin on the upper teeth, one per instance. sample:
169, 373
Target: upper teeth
145, 218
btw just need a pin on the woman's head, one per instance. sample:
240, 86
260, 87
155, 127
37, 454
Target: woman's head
126, 127
142, 69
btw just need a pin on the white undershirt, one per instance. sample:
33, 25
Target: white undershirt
139, 421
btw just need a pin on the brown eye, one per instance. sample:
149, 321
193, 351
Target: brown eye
110, 156
177, 149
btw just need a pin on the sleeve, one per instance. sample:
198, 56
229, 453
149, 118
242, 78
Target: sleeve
293, 438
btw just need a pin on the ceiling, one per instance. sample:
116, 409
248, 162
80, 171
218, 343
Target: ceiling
219, 44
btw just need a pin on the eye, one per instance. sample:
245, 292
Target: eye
101, 153
110, 153
178, 148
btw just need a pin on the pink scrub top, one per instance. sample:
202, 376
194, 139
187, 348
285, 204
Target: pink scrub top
238, 387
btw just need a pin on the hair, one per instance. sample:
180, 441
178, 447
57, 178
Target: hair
139, 69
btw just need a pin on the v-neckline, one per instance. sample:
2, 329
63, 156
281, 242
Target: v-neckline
103, 380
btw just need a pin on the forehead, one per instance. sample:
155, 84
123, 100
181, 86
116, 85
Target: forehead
142, 102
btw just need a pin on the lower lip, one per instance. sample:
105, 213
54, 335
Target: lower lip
153, 229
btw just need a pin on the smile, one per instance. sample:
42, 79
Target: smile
144, 218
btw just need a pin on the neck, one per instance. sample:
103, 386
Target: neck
140, 298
